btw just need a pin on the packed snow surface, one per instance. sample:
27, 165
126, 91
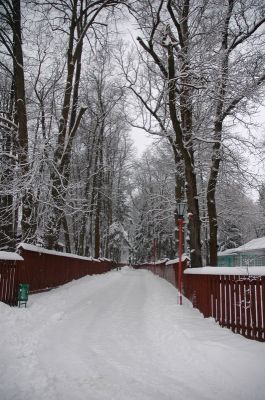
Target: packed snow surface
123, 336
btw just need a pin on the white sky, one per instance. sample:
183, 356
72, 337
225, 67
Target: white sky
141, 139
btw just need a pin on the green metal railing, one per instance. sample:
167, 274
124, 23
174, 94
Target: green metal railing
241, 260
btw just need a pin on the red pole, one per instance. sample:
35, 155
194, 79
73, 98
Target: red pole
154, 250
180, 221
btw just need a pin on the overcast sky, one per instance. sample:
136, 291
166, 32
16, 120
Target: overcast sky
141, 140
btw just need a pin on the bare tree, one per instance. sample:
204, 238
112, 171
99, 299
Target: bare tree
241, 39
11, 39
198, 50
103, 138
81, 16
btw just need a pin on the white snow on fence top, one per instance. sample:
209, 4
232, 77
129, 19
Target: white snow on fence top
164, 260
6, 255
41, 250
260, 271
104, 259
184, 257
255, 244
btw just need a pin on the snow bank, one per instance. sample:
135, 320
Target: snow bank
260, 271
6, 255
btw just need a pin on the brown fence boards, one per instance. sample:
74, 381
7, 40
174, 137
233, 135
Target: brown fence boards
236, 302
44, 270
8, 282
233, 314
263, 308
253, 310
258, 310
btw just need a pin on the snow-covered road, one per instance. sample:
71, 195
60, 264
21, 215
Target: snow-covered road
122, 336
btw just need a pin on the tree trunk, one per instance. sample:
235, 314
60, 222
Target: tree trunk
28, 222
7, 234
99, 188
61, 164
187, 155
179, 193
218, 126
66, 235
211, 203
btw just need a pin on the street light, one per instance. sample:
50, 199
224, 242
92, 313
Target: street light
181, 209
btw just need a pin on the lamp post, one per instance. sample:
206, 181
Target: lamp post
154, 250
181, 209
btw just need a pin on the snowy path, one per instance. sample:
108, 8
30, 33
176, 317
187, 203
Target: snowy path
122, 336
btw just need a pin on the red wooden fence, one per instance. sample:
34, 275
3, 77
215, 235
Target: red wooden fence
43, 270
235, 301
8, 281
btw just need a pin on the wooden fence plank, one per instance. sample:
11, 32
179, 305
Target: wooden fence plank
248, 307
233, 301
227, 301
263, 308
259, 309
242, 306
217, 297
237, 305
7, 281
222, 302
253, 297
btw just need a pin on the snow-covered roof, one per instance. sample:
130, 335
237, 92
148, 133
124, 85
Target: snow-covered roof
260, 271
42, 250
254, 244
6, 255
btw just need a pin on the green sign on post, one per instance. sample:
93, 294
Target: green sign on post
23, 294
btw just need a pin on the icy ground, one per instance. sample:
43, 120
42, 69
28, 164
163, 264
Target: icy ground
122, 336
